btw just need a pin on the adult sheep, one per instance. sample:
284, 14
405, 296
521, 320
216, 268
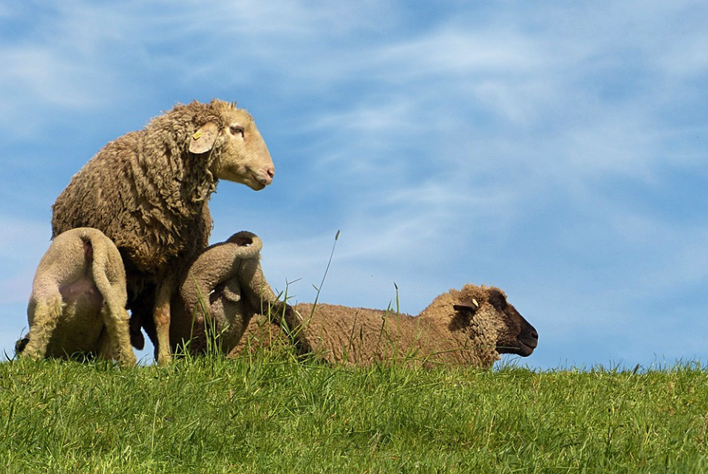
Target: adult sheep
148, 192
78, 300
218, 294
470, 327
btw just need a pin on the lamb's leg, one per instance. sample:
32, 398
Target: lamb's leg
110, 281
116, 320
291, 323
45, 316
161, 316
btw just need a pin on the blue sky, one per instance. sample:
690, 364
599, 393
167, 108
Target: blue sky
556, 150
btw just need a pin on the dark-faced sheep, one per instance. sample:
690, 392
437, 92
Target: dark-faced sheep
78, 300
470, 327
218, 294
148, 192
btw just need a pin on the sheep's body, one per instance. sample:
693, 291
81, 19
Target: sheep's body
78, 300
452, 330
148, 192
219, 292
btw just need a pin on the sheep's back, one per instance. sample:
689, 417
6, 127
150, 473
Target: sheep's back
358, 336
135, 200
364, 336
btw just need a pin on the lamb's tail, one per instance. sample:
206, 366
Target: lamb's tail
115, 316
96, 256
250, 244
282, 314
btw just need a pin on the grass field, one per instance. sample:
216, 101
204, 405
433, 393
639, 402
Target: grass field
273, 414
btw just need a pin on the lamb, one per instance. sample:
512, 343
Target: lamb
148, 191
78, 300
219, 293
468, 327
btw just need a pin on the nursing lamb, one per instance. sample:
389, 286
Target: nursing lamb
218, 294
77, 305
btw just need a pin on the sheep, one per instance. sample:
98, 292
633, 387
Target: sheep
218, 294
78, 300
148, 191
469, 327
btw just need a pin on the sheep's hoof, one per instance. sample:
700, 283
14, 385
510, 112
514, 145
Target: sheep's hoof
164, 360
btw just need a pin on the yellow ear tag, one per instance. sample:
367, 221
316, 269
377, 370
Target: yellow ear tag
475, 302
197, 135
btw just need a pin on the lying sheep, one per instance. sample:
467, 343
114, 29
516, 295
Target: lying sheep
78, 300
219, 293
148, 192
469, 327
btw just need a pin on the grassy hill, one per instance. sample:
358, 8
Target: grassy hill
273, 414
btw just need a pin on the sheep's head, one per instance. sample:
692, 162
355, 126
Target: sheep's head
515, 335
242, 156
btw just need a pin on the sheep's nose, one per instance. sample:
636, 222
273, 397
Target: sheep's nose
265, 176
534, 335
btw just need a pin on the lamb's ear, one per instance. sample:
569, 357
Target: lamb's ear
471, 306
204, 138
232, 290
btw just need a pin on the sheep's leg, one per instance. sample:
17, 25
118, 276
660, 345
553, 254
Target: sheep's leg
161, 316
116, 320
45, 316
281, 314
115, 317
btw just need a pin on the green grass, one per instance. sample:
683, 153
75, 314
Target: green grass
273, 414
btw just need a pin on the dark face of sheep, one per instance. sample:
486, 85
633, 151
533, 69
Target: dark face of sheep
243, 156
516, 335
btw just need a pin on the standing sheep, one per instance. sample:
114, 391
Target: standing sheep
78, 300
469, 327
148, 191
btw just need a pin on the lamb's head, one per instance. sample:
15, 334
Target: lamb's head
514, 335
241, 155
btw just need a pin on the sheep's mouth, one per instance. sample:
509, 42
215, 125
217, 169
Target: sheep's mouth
260, 181
521, 349
253, 179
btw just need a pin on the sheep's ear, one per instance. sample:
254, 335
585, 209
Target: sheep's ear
204, 138
471, 306
498, 300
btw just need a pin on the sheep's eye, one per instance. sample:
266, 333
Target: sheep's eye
236, 130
